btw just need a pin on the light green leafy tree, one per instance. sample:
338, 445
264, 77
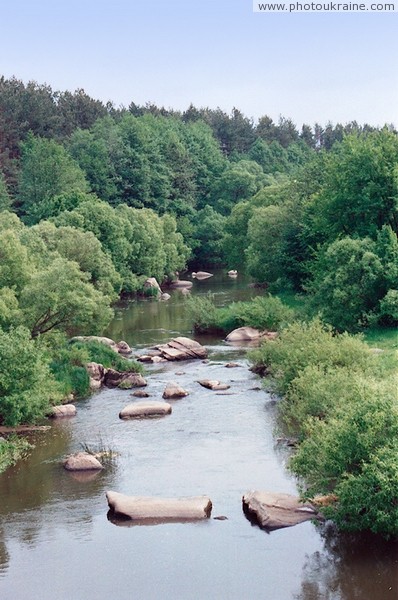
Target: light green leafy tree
47, 171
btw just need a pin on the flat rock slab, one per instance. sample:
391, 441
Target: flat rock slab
273, 510
213, 384
181, 348
181, 283
142, 507
63, 410
142, 410
82, 461
173, 390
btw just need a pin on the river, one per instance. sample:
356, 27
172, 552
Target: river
56, 542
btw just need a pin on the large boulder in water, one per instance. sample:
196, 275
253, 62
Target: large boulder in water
63, 410
244, 334
145, 409
173, 390
82, 461
276, 510
142, 507
124, 379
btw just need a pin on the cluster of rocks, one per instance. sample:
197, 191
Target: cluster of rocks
180, 348
268, 509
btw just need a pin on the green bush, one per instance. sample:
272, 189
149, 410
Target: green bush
303, 344
343, 453
263, 312
203, 313
369, 499
27, 387
316, 393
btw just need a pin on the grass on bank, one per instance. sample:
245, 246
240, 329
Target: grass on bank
68, 365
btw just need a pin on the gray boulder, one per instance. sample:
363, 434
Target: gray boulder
145, 409
173, 390
276, 510
96, 373
82, 461
63, 410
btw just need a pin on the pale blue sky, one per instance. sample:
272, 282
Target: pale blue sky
310, 67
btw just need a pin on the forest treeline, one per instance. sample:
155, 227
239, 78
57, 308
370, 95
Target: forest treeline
94, 199
313, 209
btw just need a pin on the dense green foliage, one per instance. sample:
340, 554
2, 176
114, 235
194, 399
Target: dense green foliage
343, 407
263, 312
330, 230
27, 387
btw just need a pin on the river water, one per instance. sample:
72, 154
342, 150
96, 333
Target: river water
56, 542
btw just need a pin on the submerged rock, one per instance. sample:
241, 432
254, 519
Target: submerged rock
232, 365
181, 283
82, 461
201, 275
140, 410
173, 390
276, 510
142, 507
140, 394
63, 410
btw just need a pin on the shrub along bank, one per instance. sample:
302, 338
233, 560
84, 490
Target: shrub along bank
341, 402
